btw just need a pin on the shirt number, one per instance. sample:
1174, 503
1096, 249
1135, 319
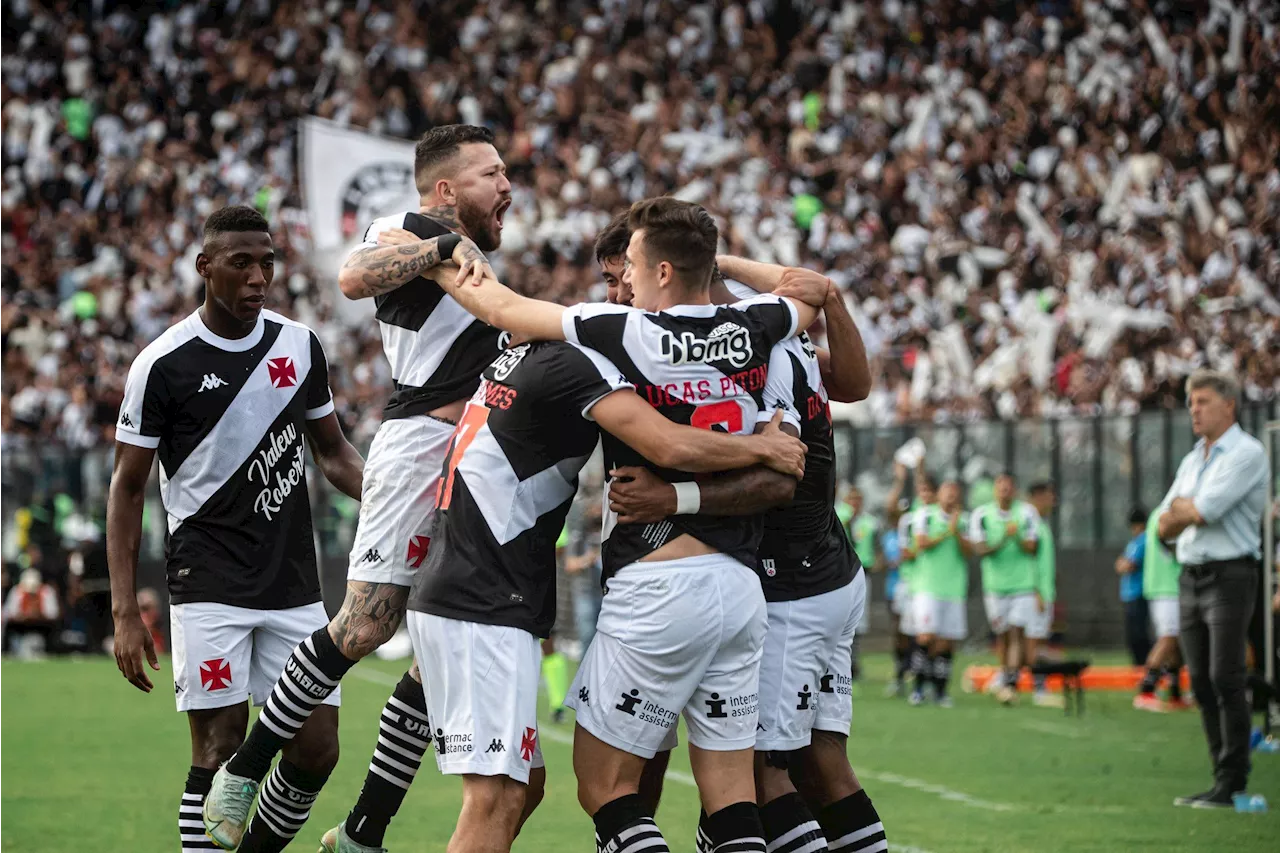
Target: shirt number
727, 414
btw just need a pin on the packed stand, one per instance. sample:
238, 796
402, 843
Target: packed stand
1034, 212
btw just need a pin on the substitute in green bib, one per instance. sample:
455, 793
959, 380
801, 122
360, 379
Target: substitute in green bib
1044, 498
1003, 534
902, 591
1160, 576
940, 591
863, 529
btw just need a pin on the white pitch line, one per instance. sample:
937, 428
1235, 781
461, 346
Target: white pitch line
557, 736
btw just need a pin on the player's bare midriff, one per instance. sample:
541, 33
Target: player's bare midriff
682, 546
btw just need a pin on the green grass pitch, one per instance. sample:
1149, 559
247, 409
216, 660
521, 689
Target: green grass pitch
88, 763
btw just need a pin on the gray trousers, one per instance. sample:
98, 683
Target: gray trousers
1216, 603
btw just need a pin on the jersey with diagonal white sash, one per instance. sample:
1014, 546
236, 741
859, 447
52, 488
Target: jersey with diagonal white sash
805, 551
227, 418
436, 349
508, 482
701, 365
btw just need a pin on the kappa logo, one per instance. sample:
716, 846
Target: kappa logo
215, 674
715, 707
282, 372
495, 745
371, 556
125, 420
418, 550
211, 382
727, 342
584, 695
629, 702
528, 743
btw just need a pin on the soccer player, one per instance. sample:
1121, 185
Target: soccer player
815, 590
940, 590
487, 591
682, 626
1003, 534
437, 352
1044, 498
908, 655
864, 531
1160, 575
229, 398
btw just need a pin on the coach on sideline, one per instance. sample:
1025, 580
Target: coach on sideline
1214, 511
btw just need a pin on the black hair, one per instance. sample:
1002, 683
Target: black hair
236, 219
1138, 515
613, 240
1041, 487
438, 145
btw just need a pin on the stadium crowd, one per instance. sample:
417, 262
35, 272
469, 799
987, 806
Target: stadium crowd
1034, 211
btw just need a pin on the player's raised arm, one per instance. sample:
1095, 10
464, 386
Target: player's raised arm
393, 257
124, 536
760, 277
489, 300
846, 373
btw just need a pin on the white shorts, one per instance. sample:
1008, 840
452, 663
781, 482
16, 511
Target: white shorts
1164, 616
835, 688
398, 500
800, 645
906, 611
901, 596
1009, 611
675, 636
940, 617
1041, 624
481, 683
223, 654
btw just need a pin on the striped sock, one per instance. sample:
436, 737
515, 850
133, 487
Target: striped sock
310, 675
702, 841
920, 666
789, 826
283, 806
190, 821
853, 826
737, 829
941, 673
625, 826
403, 737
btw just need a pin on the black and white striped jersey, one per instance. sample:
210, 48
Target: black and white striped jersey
437, 350
509, 479
227, 419
804, 551
702, 365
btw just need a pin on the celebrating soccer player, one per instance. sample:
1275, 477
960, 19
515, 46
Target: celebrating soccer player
228, 398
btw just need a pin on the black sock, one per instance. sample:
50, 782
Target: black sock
941, 672
190, 819
788, 817
1150, 680
736, 829
1175, 681
403, 737
852, 825
903, 654
624, 825
284, 803
310, 675
920, 666
702, 841
1011, 677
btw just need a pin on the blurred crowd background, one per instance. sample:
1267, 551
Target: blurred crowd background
1036, 210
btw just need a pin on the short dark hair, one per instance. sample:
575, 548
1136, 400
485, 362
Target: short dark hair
612, 241
1138, 515
439, 145
679, 232
1041, 487
236, 219
1008, 474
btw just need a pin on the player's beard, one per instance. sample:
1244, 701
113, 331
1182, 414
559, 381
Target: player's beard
479, 224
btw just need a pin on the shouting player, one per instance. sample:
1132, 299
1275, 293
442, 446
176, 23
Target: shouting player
682, 625
229, 398
487, 591
437, 352
815, 589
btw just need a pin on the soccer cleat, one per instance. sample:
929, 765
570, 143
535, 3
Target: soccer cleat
336, 840
226, 808
1219, 798
1191, 799
1007, 695
1045, 699
1149, 702
945, 702
1180, 704
916, 698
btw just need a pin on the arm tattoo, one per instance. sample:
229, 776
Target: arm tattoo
385, 268
369, 616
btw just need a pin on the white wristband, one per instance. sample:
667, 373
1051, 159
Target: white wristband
688, 498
